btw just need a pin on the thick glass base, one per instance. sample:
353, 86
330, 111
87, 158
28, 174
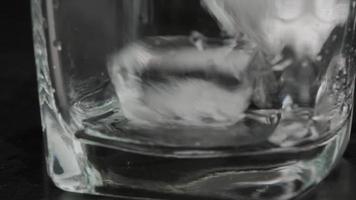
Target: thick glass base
78, 166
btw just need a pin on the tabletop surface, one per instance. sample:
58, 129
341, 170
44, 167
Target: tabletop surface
22, 169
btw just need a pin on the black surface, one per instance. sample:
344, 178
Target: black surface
22, 171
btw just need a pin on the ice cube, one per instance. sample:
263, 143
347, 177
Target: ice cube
295, 126
289, 134
276, 24
176, 82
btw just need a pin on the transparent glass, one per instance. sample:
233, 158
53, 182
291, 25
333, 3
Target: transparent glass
202, 99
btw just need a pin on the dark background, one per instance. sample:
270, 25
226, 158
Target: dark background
22, 174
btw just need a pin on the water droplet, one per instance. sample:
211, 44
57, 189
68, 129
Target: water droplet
287, 103
157, 42
143, 19
198, 40
275, 118
58, 45
334, 37
44, 23
305, 64
345, 109
56, 4
197, 144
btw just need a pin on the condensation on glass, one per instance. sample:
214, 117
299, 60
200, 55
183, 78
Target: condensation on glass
205, 99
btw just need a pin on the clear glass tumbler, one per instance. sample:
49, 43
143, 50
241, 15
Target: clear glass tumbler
201, 99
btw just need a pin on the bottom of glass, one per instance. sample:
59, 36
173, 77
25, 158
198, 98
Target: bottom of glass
99, 170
